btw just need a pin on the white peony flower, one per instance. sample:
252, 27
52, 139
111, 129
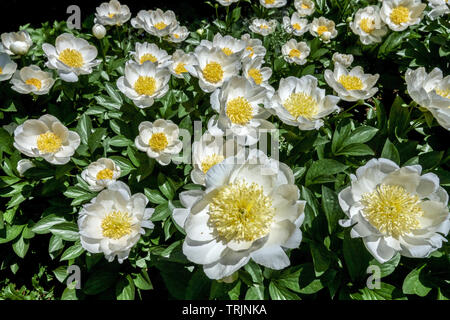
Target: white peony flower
400, 14
160, 140
112, 13
150, 52
396, 209
23, 165
156, 22
241, 107
300, 102
179, 61
295, 24
99, 31
304, 7
32, 80
253, 70
209, 151
345, 59
113, 222
228, 44
143, 83
213, 67
72, 57
295, 52
263, 27
249, 210
367, 24
431, 91
178, 34
323, 28
46, 137
16, 42
7, 67
253, 47
101, 173
439, 8
351, 85
273, 3
226, 3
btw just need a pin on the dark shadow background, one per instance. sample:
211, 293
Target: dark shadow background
35, 12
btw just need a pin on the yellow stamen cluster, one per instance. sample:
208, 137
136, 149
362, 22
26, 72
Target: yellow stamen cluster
48, 142
116, 225
270, 1
1, 70
392, 210
180, 68
294, 53
399, 15
34, 82
148, 57
301, 105
321, 30
264, 26
241, 212
227, 51
145, 85
305, 6
213, 72
296, 26
256, 75
252, 51
239, 110
210, 161
105, 174
72, 58
445, 93
160, 25
111, 15
351, 82
367, 25
176, 36
158, 141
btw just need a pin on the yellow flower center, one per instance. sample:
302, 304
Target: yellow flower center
270, 1
111, 15
445, 93
180, 68
367, 25
227, 51
241, 212
105, 174
256, 75
213, 72
239, 110
116, 225
296, 26
48, 142
301, 105
1, 70
399, 15
34, 82
210, 161
392, 210
145, 85
252, 51
294, 53
148, 57
72, 58
321, 30
176, 35
158, 141
160, 25
351, 82
264, 26
305, 6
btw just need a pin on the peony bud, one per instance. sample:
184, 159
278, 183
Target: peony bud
99, 31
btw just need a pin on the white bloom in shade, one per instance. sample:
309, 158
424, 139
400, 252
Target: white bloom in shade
323, 28
32, 80
396, 209
300, 102
23, 165
367, 24
400, 14
304, 7
101, 173
99, 31
351, 85
273, 3
345, 59
263, 27
7, 67
150, 52
295, 24
71, 56
143, 83
209, 151
179, 61
431, 91
253, 70
295, 52
156, 22
249, 210
113, 222
241, 115
112, 13
253, 47
226, 3
178, 34
228, 44
439, 8
16, 42
46, 137
160, 140
213, 67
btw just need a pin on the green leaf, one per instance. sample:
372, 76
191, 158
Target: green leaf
154, 196
356, 257
67, 231
355, 149
388, 267
69, 294
255, 292
281, 293
321, 258
125, 165
72, 252
390, 152
162, 211
44, 225
60, 273
84, 128
99, 281
361, 134
125, 289
21, 246
385, 292
166, 187
331, 207
120, 141
113, 93
96, 138
10, 233
255, 271
322, 170
413, 285
142, 281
